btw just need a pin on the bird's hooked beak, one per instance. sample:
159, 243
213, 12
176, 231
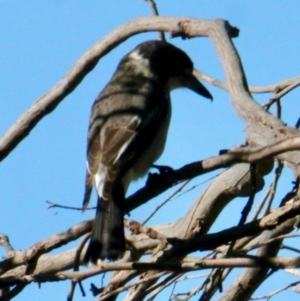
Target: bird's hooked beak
189, 80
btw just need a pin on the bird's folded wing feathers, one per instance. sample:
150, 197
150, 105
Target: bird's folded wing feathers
106, 148
117, 137
93, 160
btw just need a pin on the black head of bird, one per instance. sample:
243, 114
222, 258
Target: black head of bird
165, 63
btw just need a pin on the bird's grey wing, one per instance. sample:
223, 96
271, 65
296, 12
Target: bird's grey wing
117, 137
115, 140
93, 159
140, 124
112, 127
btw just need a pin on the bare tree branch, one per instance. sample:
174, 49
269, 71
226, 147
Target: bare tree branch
198, 168
276, 262
42, 247
268, 296
48, 102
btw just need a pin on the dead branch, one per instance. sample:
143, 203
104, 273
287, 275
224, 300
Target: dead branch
48, 102
42, 247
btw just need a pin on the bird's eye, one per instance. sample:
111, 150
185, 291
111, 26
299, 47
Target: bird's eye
189, 70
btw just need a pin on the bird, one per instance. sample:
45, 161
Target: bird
127, 133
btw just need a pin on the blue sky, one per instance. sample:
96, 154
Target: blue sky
41, 40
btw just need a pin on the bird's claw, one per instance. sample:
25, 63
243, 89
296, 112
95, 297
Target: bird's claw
154, 178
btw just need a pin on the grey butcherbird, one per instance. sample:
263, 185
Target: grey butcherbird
127, 134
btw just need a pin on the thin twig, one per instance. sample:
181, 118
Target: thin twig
54, 205
76, 268
286, 90
297, 125
171, 197
290, 248
263, 89
270, 194
158, 287
212, 286
189, 294
262, 203
269, 241
154, 10
278, 109
193, 187
126, 287
268, 296
249, 204
278, 172
282, 92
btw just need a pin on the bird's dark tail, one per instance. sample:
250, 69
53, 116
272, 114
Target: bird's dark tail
108, 240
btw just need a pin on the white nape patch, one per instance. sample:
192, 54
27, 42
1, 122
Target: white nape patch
99, 179
141, 64
136, 120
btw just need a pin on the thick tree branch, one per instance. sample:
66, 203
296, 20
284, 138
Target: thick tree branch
275, 262
179, 248
253, 261
259, 274
48, 102
214, 240
192, 170
42, 247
